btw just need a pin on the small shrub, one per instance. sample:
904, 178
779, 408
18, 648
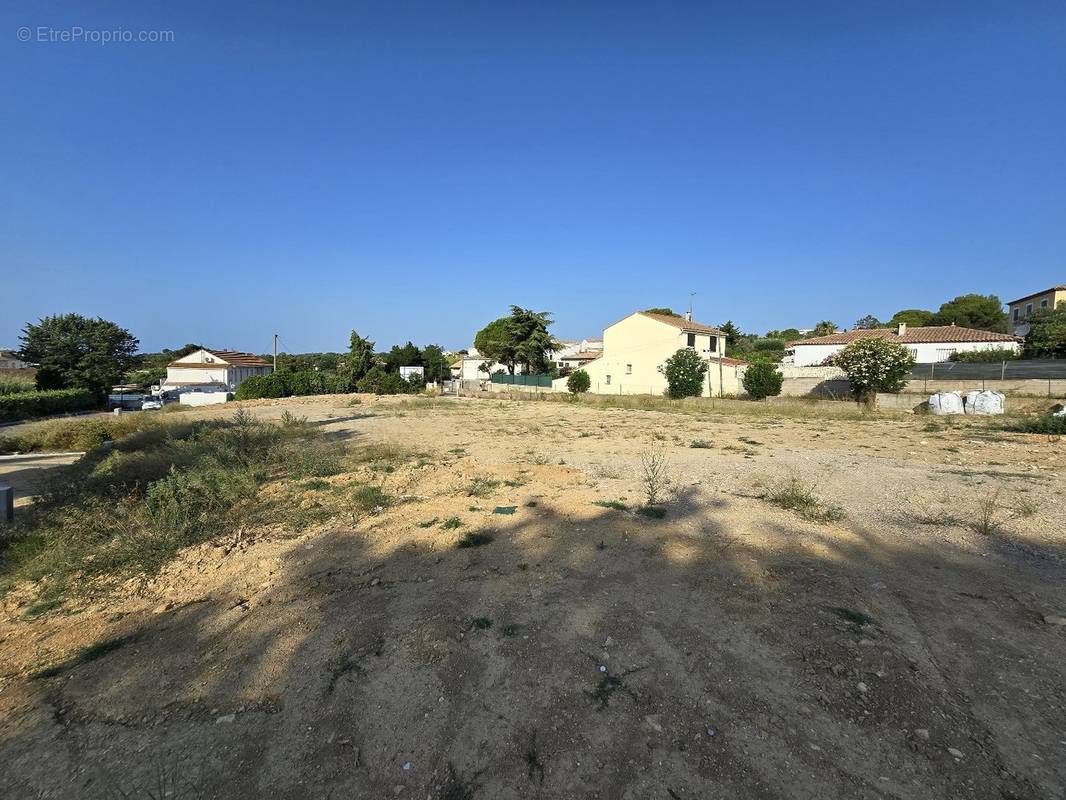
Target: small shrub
475, 539
481, 487
701, 444
451, 524
986, 519
1046, 423
578, 382
613, 504
654, 477
369, 499
798, 496
762, 379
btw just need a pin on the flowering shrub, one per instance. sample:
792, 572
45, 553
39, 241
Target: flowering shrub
684, 372
875, 365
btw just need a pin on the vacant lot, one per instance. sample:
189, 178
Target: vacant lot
475, 600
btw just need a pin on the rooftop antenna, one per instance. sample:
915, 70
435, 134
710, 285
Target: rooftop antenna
688, 316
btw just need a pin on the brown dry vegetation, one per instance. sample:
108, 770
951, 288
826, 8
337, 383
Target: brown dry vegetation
830, 607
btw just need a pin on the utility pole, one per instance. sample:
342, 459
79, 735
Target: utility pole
275, 352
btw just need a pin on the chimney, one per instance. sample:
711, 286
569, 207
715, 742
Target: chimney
688, 315
901, 329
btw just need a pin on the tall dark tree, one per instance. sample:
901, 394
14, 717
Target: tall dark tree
824, 328
406, 356
732, 333
984, 312
521, 338
360, 358
435, 362
868, 322
533, 343
73, 351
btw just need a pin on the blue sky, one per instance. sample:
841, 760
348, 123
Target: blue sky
409, 169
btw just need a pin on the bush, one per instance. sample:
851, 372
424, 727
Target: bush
762, 379
128, 508
578, 382
16, 385
379, 381
875, 365
995, 355
1048, 423
684, 372
26, 405
292, 384
261, 386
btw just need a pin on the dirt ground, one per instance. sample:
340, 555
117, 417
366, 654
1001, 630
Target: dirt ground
730, 649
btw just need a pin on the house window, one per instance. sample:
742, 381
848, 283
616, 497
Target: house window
692, 340
629, 369
1043, 303
1017, 313
714, 344
1028, 309
608, 380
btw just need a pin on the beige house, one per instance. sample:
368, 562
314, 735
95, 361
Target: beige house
635, 347
1024, 307
213, 370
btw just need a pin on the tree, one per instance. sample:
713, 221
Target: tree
824, 328
868, 322
73, 351
407, 356
521, 338
666, 312
578, 382
732, 334
762, 379
435, 361
913, 318
494, 342
984, 312
532, 342
875, 365
1047, 333
684, 372
788, 334
360, 358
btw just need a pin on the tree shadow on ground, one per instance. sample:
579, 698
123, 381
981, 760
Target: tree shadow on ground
597, 654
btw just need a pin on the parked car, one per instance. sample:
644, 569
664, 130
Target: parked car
152, 404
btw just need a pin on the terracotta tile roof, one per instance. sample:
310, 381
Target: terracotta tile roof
680, 322
233, 358
935, 334
1060, 288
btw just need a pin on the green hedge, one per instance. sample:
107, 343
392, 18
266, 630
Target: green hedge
26, 405
289, 384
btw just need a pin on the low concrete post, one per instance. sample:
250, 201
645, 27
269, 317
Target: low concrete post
7, 503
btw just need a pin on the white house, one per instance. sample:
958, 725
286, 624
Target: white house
574, 354
213, 370
928, 345
635, 347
